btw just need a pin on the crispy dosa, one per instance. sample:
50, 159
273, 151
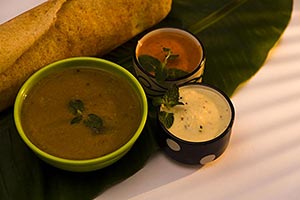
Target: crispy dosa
59, 29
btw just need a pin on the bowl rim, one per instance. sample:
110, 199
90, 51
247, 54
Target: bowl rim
38, 75
181, 31
226, 131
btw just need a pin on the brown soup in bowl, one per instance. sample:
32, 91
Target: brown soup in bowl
54, 126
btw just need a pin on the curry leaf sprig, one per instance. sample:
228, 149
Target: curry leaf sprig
92, 121
160, 69
168, 100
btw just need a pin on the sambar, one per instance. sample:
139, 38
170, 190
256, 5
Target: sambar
47, 119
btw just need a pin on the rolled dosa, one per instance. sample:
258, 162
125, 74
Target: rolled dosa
59, 29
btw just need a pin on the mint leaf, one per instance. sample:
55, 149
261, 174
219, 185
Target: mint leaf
157, 101
161, 73
169, 55
167, 50
149, 63
174, 73
173, 56
91, 121
171, 98
76, 119
94, 122
166, 118
76, 106
160, 70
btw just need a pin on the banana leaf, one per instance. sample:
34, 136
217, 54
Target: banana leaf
237, 35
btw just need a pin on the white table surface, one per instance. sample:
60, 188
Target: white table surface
262, 160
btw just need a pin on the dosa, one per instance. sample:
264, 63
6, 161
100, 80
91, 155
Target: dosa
59, 29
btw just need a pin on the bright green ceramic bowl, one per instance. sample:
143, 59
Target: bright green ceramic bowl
89, 164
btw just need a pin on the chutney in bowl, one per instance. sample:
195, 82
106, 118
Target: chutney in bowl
167, 56
202, 124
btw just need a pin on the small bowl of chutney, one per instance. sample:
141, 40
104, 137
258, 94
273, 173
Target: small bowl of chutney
167, 56
196, 130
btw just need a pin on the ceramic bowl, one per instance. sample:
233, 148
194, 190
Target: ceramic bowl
202, 126
191, 58
95, 64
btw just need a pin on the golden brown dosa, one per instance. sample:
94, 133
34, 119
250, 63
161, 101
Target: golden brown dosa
59, 29
17, 35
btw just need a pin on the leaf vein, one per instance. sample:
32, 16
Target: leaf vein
216, 16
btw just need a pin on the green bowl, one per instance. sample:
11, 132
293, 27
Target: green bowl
88, 164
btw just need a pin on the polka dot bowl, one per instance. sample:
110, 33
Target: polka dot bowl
189, 150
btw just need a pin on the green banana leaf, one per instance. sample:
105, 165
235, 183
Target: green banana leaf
237, 35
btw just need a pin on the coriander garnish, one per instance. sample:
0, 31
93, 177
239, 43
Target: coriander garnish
92, 121
168, 100
160, 69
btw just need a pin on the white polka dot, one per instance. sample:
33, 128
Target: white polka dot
173, 145
207, 159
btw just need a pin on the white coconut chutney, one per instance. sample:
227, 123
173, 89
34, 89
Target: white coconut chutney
205, 114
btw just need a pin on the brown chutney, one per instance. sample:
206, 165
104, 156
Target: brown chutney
186, 47
46, 116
